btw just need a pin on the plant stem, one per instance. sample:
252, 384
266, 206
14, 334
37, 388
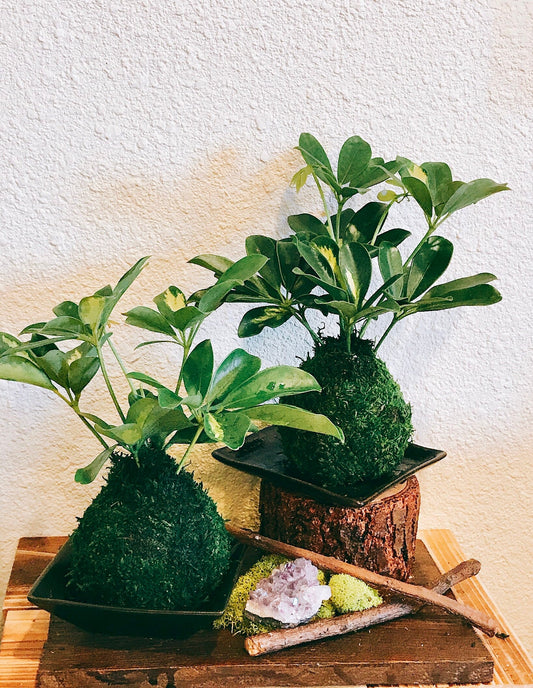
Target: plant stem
302, 319
326, 209
86, 422
191, 445
108, 382
121, 364
389, 328
340, 205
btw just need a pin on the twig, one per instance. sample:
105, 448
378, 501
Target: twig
479, 619
325, 628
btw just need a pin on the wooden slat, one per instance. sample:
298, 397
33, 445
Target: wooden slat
511, 663
23, 639
33, 554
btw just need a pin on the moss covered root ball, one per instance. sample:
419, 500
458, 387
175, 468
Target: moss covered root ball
359, 395
151, 539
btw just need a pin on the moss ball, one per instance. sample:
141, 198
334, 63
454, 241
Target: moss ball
359, 395
151, 539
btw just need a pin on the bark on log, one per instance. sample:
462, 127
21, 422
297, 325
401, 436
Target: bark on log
381, 536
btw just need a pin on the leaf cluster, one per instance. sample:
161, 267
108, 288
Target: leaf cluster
219, 405
330, 265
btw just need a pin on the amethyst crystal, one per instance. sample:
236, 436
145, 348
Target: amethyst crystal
291, 594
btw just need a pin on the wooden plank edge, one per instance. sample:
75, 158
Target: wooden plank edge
512, 665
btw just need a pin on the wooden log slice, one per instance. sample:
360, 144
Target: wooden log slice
380, 536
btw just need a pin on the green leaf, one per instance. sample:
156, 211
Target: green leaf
257, 319
54, 364
187, 317
300, 178
316, 261
123, 285
315, 156
288, 257
170, 302
215, 295
104, 291
439, 178
472, 192
90, 311
66, 308
334, 291
313, 153
270, 383
161, 422
460, 284
168, 399
63, 326
265, 246
307, 223
198, 369
8, 343
146, 379
34, 327
88, 474
390, 265
347, 309
139, 411
127, 434
235, 369
428, 264
230, 428
478, 295
354, 157
20, 369
368, 219
392, 236
217, 264
148, 319
420, 192
294, 417
81, 372
356, 269
244, 268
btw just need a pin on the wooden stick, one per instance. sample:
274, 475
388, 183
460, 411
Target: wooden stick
325, 628
477, 618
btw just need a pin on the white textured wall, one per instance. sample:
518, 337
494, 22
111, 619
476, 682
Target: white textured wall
166, 128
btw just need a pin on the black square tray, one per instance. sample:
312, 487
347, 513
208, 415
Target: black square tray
262, 455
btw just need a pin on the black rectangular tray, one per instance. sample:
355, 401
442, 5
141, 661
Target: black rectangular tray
262, 455
50, 592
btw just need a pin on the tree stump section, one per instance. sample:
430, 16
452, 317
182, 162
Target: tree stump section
380, 536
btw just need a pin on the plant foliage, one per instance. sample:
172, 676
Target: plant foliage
207, 404
329, 266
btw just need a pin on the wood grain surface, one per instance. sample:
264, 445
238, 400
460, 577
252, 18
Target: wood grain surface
26, 629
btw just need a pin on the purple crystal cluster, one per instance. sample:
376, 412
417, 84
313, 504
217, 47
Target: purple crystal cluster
291, 594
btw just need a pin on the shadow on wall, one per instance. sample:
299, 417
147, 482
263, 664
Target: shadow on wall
213, 208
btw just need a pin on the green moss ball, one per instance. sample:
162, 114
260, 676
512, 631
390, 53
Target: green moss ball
359, 395
151, 539
349, 594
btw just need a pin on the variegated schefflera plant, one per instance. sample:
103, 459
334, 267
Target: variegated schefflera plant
350, 265
146, 486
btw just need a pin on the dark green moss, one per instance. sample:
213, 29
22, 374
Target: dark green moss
360, 395
151, 538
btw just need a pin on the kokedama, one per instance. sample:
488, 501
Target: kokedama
328, 266
152, 538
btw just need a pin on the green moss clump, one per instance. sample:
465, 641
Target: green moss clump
233, 617
360, 396
349, 594
151, 539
